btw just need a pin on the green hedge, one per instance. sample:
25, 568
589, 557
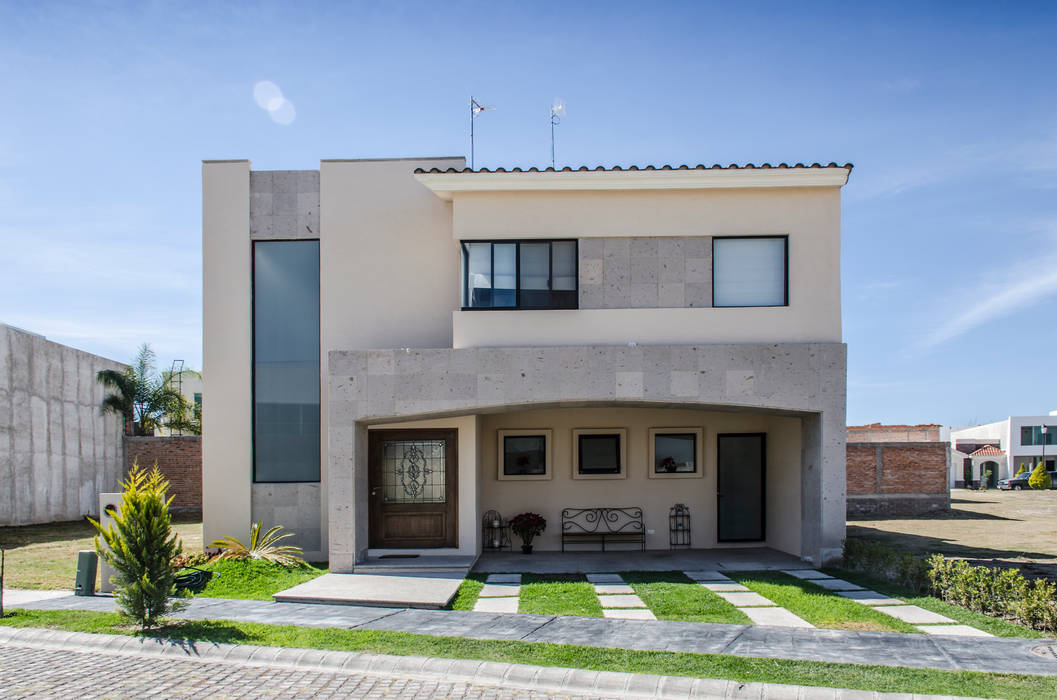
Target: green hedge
1003, 593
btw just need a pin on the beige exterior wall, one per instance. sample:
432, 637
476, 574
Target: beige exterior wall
655, 496
810, 216
227, 447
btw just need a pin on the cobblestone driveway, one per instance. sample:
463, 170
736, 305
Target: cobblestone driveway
39, 673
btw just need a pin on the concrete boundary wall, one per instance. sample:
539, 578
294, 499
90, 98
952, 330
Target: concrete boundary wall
57, 450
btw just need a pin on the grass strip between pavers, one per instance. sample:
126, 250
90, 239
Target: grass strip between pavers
993, 625
671, 595
820, 607
558, 594
469, 590
721, 666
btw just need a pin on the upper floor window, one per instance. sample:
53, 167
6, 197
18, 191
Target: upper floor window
750, 271
519, 275
1033, 435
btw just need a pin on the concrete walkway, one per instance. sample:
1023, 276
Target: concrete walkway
74, 664
993, 654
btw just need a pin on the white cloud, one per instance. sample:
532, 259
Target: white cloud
1018, 292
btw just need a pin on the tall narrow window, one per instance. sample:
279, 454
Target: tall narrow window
286, 361
750, 271
519, 275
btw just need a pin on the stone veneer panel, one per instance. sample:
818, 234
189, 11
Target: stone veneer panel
284, 204
296, 507
381, 385
645, 273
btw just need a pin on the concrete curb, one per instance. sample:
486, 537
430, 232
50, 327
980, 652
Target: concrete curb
517, 676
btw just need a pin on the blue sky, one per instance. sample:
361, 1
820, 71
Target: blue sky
948, 110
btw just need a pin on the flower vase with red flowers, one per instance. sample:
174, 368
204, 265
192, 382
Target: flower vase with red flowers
527, 526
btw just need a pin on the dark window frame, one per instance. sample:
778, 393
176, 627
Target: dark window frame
253, 359
693, 451
785, 303
543, 448
517, 272
618, 469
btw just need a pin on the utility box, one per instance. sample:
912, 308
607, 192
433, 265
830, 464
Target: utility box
84, 583
109, 505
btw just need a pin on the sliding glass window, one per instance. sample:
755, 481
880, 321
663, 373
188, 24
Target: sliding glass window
286, 361
519, 275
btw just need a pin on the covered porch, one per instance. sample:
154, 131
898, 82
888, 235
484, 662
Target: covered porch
745, 559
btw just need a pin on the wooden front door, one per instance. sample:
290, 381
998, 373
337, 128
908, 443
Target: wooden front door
413, 479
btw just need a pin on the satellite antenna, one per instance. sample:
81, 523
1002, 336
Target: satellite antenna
475, 109
557, 112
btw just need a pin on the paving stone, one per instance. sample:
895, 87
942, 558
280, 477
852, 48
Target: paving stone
809, 574
725, 587
953, 630
835, 584
776, 617
604, 578
706, 576
503, 578
912, 614
496, 605
613, 588
628, 614
499, 590
870, 598
744, 599
621, 601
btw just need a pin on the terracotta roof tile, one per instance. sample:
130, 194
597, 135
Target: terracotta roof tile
987, 451
633, 168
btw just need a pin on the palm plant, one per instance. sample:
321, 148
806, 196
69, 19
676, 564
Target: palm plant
139, 394
264, 548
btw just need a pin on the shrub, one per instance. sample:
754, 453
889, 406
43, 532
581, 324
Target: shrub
886, 563
1040, 478
264, 548
1022, 470
140, 545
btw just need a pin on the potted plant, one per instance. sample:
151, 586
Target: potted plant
527, 526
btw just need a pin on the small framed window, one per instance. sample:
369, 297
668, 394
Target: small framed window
524, 455
676, 453
530, 274
750, 271
600, 453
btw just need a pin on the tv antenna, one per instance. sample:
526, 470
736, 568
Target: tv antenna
557, 112
475, 109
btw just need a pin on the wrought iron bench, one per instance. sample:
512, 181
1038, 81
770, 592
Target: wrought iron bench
589, 525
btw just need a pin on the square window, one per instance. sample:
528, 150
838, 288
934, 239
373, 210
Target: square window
750, 271
524, 455
675, 453
599, 453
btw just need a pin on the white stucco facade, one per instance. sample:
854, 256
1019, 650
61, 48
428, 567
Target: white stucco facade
399, 351
1007, 434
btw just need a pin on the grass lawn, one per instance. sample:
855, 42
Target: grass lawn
721, 666
469, 589
994, 625
673, 596
45, 556
558, 594
818, 606
254, 580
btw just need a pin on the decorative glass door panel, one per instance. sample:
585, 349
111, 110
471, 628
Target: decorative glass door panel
412, 488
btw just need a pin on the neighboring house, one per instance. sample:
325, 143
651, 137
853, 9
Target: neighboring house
58, 450
190, 384
395, 347
1002, 447
897, 470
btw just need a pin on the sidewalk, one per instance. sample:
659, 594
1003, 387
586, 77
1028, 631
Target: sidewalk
989, 654
42, 660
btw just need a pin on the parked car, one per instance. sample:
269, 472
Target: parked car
1020, 483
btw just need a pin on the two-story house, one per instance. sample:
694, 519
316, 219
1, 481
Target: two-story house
395, 347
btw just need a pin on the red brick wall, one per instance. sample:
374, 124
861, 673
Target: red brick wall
896, 478
178, 458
